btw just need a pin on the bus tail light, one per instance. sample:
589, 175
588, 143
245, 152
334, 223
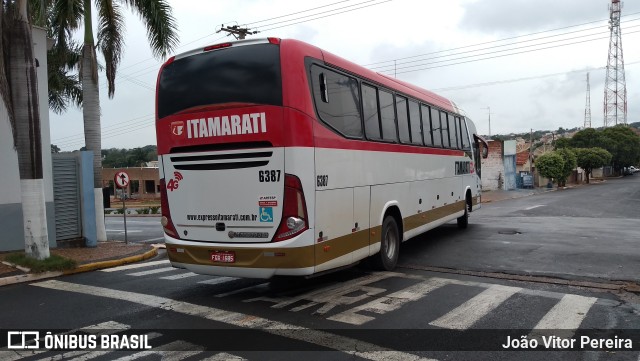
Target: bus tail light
166, 221
275, 41
294, 210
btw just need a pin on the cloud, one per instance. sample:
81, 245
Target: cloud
522, 16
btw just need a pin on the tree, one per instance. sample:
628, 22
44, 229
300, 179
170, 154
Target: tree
569, 164
591, 158
587, 138
562, 143
69, 16
623, 144
19, 88
550, 165
55, 149
63, 58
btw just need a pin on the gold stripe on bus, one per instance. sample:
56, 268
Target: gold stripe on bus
309, 256
432, 215
337, 247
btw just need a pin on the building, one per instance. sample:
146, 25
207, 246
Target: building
144, 181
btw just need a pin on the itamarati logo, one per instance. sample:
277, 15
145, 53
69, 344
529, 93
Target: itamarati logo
177, 128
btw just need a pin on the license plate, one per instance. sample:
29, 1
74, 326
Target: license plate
223, 256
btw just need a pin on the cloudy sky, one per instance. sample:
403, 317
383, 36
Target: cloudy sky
525, 60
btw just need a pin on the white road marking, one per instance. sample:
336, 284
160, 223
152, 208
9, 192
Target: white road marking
468, 313
321, 338
389, 302
567, 314
168, 352
134, 266
533, 207
180, 276
223, 356
260, 286
345, 293
215, 281
153, 239
151, 272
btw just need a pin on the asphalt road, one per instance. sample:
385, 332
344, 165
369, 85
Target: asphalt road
589, 232
139, 229
411, 314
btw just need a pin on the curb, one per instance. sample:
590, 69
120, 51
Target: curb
111, 263
80, 269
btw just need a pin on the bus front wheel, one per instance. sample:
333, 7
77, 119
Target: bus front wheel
387, 259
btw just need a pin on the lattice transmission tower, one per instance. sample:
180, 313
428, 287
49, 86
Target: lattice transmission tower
587, 107
615, 87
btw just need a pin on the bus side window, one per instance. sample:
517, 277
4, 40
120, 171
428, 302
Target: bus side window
453, 131
387, 116
403, 120
465, 134
370, 112
444, 126
427, 126
435, 127
414, 120
337, 101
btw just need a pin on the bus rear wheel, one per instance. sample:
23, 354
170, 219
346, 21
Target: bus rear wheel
387, 258
463, 221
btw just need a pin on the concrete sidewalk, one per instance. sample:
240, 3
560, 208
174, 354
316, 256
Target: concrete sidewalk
500, 194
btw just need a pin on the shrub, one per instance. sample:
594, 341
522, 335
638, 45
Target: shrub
154, 209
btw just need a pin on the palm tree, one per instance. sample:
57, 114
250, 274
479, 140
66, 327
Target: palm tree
69, 15
19, 92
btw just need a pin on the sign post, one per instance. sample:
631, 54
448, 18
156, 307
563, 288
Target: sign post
121, 180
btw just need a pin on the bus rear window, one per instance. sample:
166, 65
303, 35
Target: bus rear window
241, 74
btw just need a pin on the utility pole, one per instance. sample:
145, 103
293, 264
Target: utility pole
237, 32
489, 109
531, 151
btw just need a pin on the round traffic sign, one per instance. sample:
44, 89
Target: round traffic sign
121, 179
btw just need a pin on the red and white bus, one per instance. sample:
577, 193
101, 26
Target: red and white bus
279, 158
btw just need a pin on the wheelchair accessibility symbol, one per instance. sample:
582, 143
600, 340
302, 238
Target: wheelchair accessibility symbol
266, 214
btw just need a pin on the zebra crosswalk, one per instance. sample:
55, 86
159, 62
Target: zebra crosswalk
362, 300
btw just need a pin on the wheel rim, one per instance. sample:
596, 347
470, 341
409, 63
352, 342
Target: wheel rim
390, 243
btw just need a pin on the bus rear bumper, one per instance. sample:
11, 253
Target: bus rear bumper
251, 261
244, 272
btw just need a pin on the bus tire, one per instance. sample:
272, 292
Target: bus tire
463, 221
387, 258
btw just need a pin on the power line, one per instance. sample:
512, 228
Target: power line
500, 56
394, 66
298, 12
322, 17
496, 41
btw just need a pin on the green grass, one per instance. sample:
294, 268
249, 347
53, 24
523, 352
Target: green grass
53, 263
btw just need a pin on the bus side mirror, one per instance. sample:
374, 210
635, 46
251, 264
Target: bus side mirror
483, 144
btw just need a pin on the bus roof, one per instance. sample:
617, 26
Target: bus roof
306, 49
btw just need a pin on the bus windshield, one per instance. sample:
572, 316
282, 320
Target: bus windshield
242, 74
